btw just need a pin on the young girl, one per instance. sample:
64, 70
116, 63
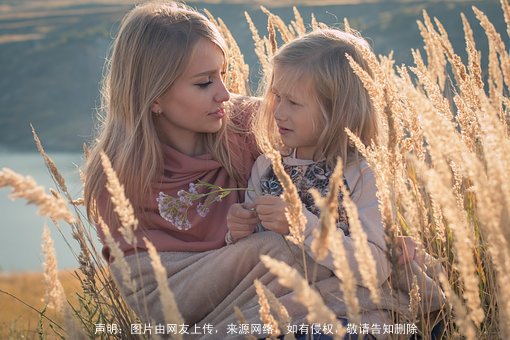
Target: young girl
312, 97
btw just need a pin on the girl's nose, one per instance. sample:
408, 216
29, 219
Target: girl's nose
278, 113
222, 95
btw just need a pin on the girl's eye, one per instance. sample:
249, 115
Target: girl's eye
293, 102
204, 85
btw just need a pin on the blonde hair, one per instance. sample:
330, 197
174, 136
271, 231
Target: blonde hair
152, 49
318, 59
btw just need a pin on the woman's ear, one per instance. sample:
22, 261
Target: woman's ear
156, 108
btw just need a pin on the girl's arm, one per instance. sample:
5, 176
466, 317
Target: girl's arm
363, 189
361, 181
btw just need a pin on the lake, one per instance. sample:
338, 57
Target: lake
20, 225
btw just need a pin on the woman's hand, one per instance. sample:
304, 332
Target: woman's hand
241, 220
271, 212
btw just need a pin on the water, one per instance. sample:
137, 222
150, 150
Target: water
20, 225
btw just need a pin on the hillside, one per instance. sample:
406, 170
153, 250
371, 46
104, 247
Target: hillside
52, 52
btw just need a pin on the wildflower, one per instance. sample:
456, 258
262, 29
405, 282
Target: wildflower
192, 188
175, 209
185, 200
202, 210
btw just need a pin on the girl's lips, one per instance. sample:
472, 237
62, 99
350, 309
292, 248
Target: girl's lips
283, 131
218, 113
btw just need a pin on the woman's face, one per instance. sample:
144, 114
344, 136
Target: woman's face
194, 104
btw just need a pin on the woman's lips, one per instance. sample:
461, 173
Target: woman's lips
218, 113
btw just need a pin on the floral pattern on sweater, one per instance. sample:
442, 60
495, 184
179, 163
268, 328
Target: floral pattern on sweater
305, 177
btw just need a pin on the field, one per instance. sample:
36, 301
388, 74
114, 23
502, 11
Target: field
53, 52
441, 164
17, 319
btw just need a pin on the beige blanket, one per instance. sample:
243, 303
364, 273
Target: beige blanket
208, 285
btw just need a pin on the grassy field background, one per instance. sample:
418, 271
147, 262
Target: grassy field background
16, 319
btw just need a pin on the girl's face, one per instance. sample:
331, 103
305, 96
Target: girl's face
296, 112
194, 104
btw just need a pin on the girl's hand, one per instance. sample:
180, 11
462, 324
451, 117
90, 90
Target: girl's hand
271, 211
241, 220
408, 251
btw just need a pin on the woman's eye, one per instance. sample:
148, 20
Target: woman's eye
204, 85
293, 102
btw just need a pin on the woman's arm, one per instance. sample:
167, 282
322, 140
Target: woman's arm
242, 220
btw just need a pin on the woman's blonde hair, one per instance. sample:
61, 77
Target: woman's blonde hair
319, 60
152, 49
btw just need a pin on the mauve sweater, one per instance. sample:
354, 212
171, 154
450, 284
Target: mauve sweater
180, 170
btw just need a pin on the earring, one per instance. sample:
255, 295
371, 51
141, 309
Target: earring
158, 113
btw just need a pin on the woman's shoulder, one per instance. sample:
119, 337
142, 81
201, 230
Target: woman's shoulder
242, 109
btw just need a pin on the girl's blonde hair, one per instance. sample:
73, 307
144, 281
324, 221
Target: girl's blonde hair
318, 59
152, 49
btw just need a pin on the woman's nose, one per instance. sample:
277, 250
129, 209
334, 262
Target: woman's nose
222, 95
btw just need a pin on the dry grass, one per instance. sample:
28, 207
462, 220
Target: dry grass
18, 319
441, 168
